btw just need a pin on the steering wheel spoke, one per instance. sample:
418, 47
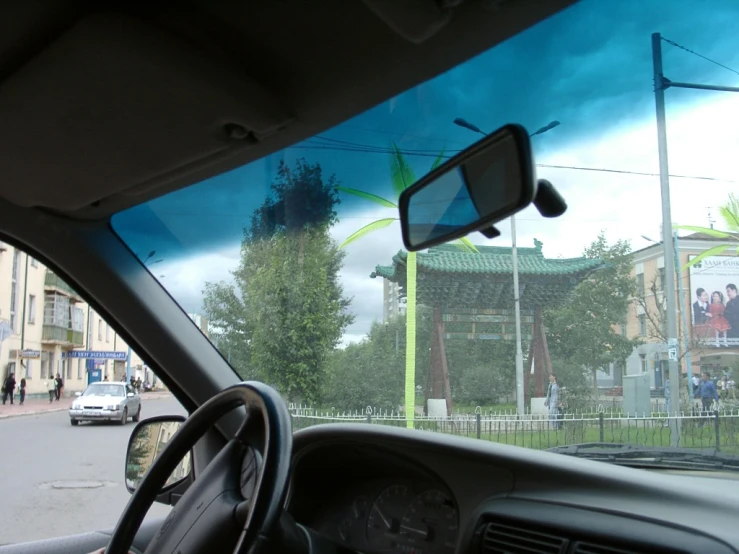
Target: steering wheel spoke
237, 500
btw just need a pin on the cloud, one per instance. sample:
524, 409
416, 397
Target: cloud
624, 206
589, 67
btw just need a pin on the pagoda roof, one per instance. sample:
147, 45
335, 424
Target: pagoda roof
448, 275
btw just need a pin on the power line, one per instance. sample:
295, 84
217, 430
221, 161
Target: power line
380, 150
675, 44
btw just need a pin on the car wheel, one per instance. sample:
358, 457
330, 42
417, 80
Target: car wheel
138, 414
124, 419
74, 422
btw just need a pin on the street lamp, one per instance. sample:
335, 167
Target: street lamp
520, 408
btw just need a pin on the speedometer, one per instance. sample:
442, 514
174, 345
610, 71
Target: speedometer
385, 513
431, 520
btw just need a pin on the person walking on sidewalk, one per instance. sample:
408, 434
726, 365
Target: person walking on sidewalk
51, 387
23, 390
9, 388
59, 386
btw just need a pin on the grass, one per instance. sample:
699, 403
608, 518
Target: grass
540, 435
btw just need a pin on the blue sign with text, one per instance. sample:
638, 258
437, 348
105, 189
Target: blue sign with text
95, 354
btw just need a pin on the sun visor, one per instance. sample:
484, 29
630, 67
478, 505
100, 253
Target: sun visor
115, 105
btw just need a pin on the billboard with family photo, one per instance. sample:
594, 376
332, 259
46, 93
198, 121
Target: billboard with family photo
714, 301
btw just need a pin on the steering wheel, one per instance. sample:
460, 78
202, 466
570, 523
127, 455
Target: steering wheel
236, 502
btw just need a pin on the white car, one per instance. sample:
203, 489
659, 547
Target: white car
106, 401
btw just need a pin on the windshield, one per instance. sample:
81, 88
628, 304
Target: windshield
293, 265
104, 390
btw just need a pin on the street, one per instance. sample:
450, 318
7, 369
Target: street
61, 480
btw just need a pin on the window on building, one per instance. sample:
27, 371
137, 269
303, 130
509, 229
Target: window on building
29, 368
78, 319
623, 329
44, 365
68, 364
640, 284
100, 329
57, 311
107, 332
14, 279
661, 278
34, 261
79, 368
31, 309
90, 327
642, 325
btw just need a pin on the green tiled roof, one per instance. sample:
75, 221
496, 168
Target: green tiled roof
448, 275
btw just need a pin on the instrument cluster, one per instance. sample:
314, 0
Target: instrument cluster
392, 516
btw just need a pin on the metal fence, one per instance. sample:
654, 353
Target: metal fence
718, 429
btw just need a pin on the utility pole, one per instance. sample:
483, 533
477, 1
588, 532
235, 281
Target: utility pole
669, 254
662, 83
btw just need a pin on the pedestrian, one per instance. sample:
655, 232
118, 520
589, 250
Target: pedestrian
707, 393
59, 386
9, 388
23, 390
552, 400
51, 387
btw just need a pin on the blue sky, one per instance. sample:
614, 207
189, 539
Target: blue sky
590, 68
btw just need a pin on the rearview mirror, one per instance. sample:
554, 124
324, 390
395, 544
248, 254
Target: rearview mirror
491, 180
147, 440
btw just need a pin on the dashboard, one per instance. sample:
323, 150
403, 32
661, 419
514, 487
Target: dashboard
385, 515
375, 489
372, 501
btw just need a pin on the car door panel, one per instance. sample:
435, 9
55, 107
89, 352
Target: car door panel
85, 542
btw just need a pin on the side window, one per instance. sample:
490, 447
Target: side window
55, 330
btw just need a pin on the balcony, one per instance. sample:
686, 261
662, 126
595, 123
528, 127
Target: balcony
52, 282
52, 334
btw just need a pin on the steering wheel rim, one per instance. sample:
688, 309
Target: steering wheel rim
213, 490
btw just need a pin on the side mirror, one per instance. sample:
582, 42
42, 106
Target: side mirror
491, 180
147, 440
78, 393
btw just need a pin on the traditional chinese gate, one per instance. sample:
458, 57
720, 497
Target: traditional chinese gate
475, 291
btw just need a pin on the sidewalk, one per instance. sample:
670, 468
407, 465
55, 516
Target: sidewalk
36, 406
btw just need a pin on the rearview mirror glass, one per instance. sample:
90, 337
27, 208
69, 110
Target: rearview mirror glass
485, 183
147, 440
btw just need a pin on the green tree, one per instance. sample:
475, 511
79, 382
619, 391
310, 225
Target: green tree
582, 331
401, 177
730, 214
285, 311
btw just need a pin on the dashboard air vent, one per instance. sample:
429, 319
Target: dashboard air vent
587, 548
496, 538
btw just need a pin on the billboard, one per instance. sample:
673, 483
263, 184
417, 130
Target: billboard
714, 301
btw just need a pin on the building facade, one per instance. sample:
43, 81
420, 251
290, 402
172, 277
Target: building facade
47, 328
700, 347
393, 303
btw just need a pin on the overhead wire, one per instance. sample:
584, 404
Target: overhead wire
676, 45
369, 149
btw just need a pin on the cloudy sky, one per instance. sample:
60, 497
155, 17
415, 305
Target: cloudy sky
590, 68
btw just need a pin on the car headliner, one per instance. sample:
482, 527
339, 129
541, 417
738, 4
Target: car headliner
105, 105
